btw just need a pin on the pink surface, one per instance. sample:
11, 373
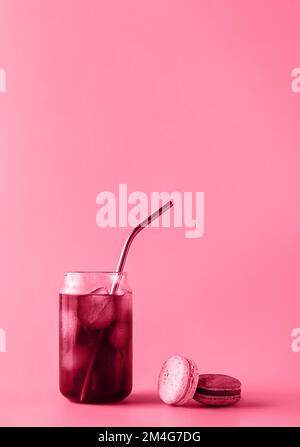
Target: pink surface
143, 408
161, 95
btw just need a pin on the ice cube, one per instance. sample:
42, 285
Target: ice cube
120, 292
100, 291
123, 310
75, 359
96, 311
68, 323
119, 335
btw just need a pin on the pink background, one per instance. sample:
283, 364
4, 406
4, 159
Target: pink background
163, 95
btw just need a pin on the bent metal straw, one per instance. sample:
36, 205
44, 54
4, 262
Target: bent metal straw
115, 286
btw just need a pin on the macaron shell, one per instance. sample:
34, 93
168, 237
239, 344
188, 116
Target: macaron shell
178, 380
216, 382
218, 390
216, 401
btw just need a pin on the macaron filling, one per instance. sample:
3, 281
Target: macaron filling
218, 392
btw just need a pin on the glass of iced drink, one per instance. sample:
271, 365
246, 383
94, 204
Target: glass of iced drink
95, 337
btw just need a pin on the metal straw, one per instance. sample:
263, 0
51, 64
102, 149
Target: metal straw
129, 241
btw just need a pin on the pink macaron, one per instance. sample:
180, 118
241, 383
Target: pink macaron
217, 390
178, 380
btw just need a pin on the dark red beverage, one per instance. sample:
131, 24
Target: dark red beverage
96, 345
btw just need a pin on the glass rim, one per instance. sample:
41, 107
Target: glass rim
81, 272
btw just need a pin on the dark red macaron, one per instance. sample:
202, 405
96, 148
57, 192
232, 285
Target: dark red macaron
217, 390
